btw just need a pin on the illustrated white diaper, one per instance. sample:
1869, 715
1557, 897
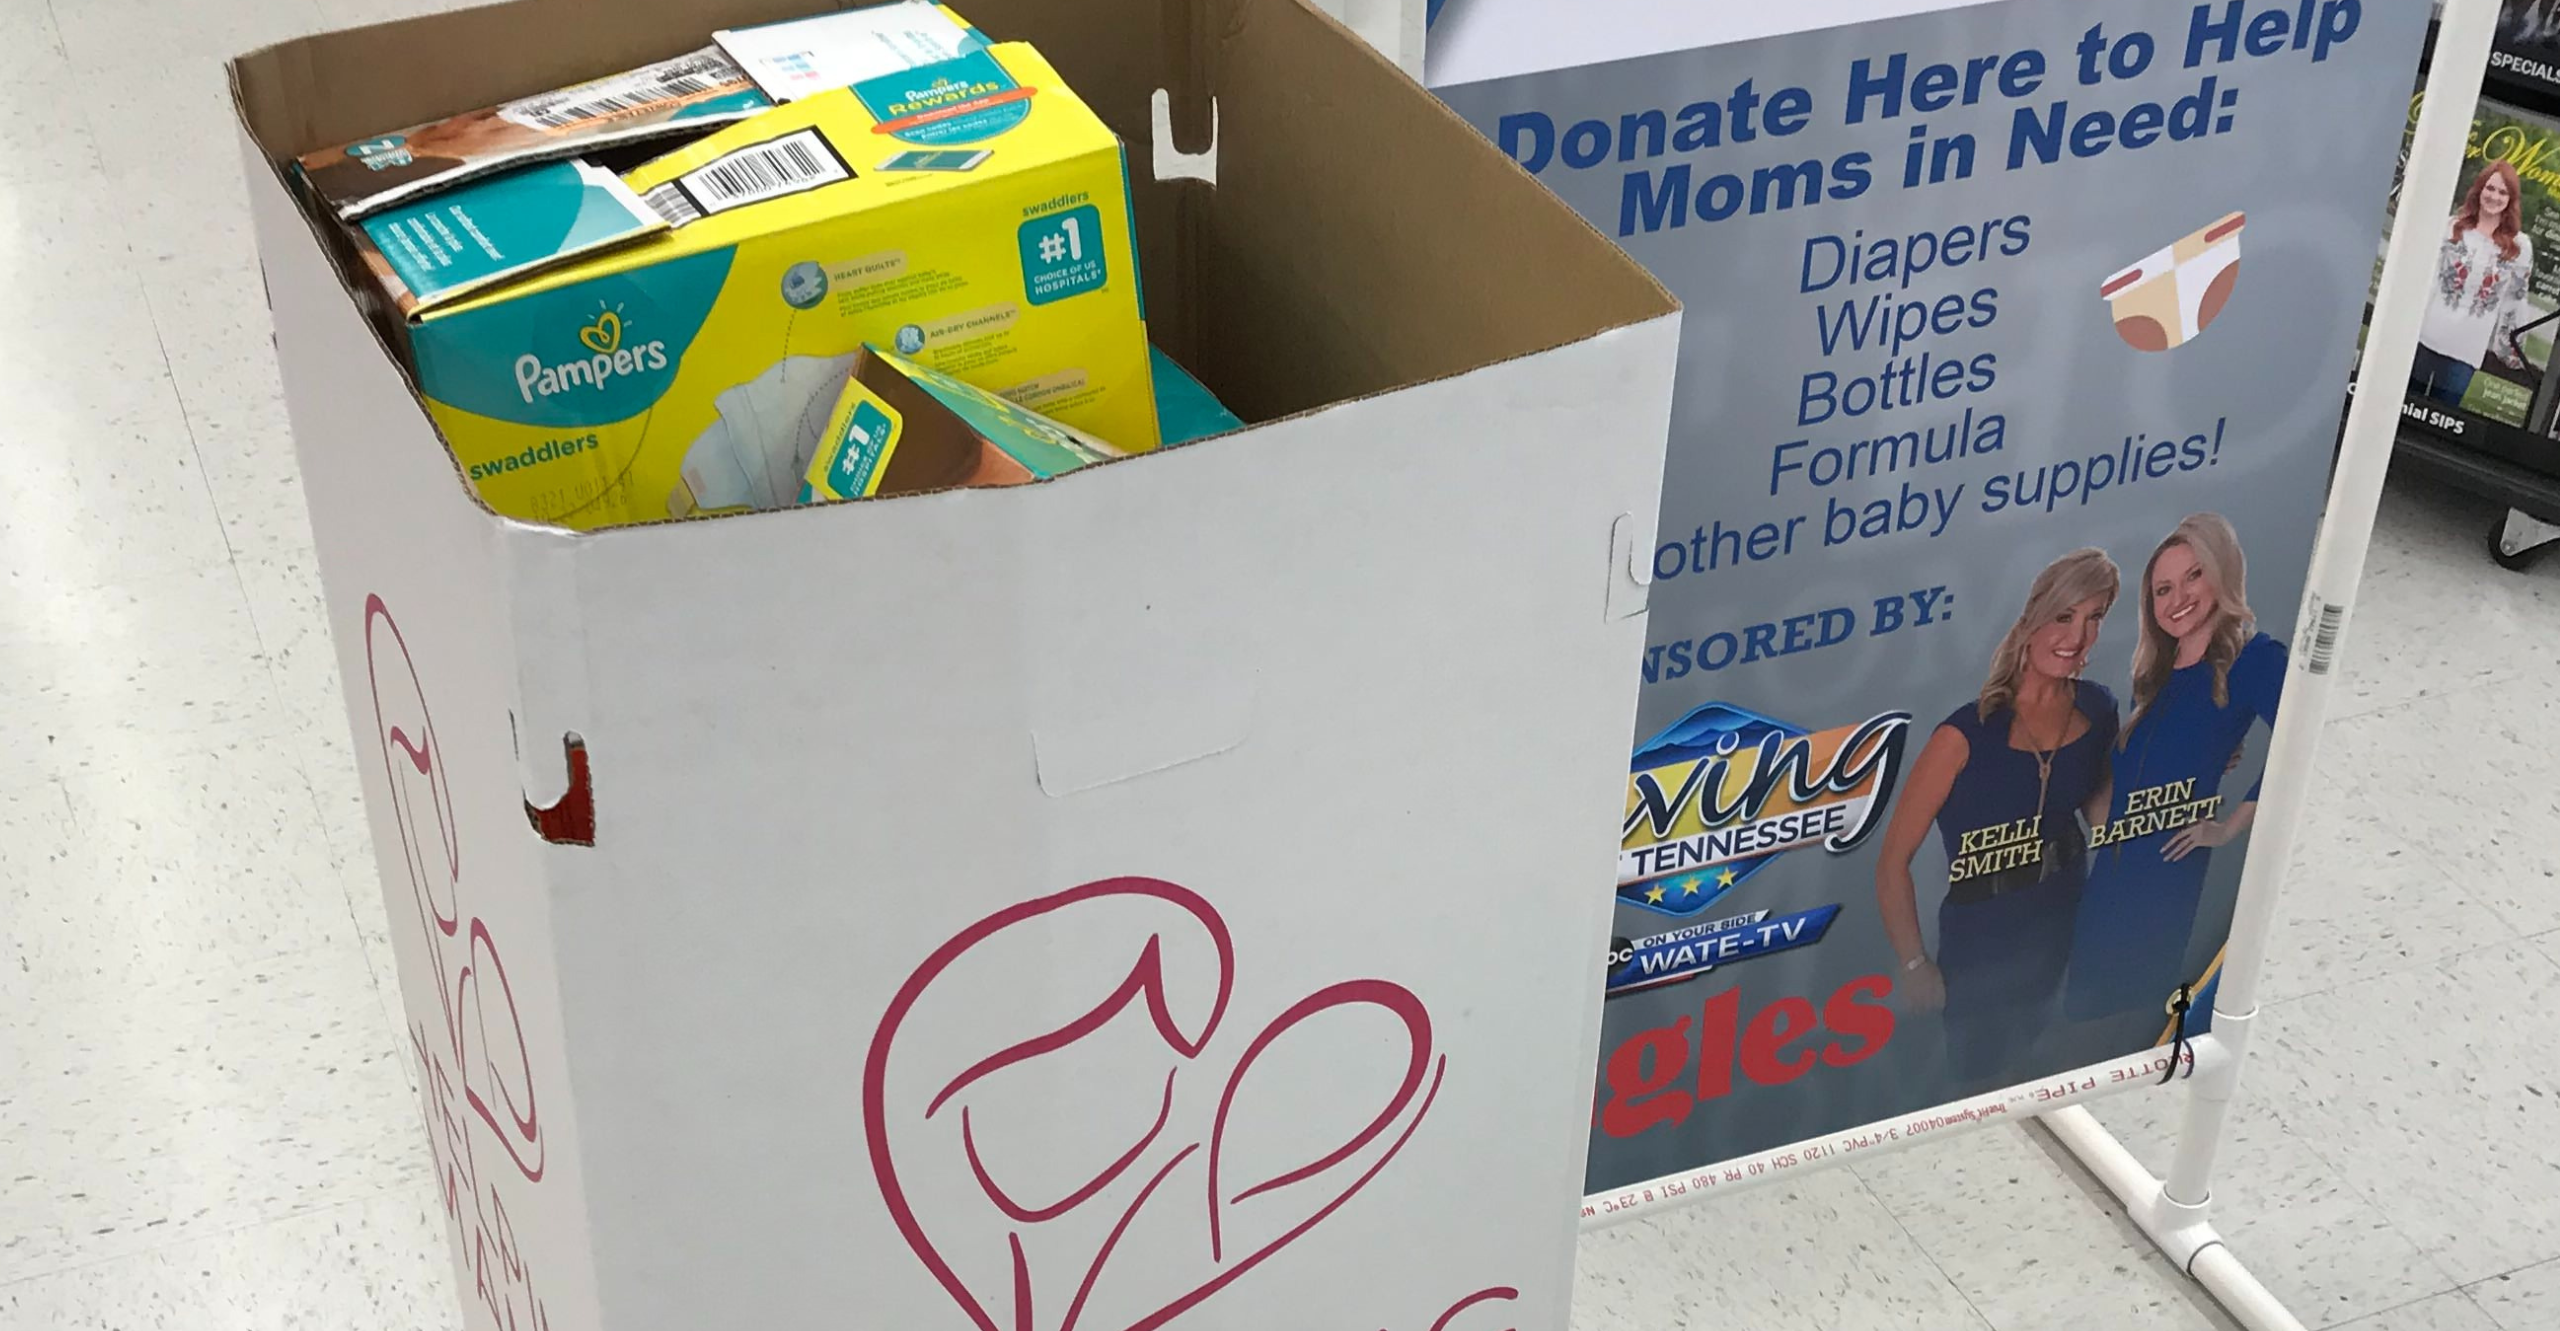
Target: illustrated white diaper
756, 453
2173, 295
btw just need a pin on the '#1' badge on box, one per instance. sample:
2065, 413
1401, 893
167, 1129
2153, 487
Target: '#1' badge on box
859, 442
1062, 255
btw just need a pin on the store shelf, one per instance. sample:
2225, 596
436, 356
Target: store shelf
2470, 469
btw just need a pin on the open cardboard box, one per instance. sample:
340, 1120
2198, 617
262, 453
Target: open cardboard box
1168, 895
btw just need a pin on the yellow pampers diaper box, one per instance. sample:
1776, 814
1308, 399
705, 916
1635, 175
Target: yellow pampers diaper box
972, 214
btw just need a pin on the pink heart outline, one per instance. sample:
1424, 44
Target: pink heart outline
1257, 1257
1493, 1294
1146, 979
1379, 993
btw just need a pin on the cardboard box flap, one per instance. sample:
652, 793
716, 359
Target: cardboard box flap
1374, 234
551, 708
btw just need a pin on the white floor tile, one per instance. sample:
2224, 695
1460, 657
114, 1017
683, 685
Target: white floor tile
365, 13
368, 1264
2418, 1091
2441, 1312
100, 520
2290, 1214
2434, 617
194, 1103
215, 328
2031, 1243
49, 138
65, 250
167, 144
192, 220
1806, 1256
105, 487
202, 864
2526, 1300
2351, 912
117, 679
286, 603
122, 42
2467, 780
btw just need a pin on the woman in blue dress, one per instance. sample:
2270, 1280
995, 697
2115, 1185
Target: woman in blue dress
2202, 676
2008, 778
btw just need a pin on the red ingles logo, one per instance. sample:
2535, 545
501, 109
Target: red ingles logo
1717, 796
1661, 1076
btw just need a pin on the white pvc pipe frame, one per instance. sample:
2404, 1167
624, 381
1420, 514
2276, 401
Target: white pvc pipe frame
1395, 27
2173, 1212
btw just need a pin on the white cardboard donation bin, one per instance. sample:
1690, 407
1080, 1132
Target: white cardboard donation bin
1155, 897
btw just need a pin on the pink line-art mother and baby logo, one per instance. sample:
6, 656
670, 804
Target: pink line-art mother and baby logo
1202, 1173
1064, 1119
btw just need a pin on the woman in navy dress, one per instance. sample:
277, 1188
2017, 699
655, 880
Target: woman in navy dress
2202, 677
2008, 778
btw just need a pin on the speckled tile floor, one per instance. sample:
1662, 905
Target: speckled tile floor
207, 1117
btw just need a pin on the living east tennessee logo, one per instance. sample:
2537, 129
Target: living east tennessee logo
1715, 797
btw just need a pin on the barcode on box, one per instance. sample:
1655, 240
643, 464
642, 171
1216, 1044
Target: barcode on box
566, 115
777, 168
671, 206
658, 88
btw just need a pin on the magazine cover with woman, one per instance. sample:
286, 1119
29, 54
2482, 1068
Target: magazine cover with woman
1997, 454
2492, 324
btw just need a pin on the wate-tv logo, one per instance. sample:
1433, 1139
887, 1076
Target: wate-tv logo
606, 359
1723, 791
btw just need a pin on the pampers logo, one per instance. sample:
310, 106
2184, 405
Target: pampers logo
607, 359
1720, 794
473, 359
942, 92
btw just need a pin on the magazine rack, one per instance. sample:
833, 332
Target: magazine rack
2175, 1212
